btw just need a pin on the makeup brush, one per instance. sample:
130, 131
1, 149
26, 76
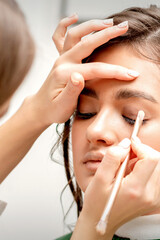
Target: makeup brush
102, 224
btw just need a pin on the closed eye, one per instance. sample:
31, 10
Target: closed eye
131, 121
84, 116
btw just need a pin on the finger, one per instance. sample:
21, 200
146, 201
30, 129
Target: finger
155, 183
148, 159
87, 45
112, 160
59, 34
156, 176
143, 151
105, 71
75, 34
131, 165
143, 171
69, 96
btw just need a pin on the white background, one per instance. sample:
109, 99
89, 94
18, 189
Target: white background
33, 189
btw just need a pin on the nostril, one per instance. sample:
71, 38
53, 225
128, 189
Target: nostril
102, 141
107, 142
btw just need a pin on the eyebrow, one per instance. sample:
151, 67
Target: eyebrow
89, 92
125, 94
122, 94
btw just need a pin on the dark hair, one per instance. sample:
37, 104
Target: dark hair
144, 36
16, 48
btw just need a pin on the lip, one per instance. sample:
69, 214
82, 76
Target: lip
92, 160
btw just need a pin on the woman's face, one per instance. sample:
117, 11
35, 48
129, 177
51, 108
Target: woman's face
107, 110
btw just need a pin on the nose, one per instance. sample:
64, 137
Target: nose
102, 131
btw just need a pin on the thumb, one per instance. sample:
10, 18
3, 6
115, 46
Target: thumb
113, 158
77, 79
69, 96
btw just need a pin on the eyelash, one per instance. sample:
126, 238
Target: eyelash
86, 116
129, 120
132, 121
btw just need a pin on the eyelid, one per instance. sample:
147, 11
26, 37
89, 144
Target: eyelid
87, 105
131, 121
84, 116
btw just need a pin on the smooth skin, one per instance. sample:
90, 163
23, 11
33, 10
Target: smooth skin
61, 88
113, 106
136, 200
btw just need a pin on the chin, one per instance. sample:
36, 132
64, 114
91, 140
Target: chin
85, 184
83, 187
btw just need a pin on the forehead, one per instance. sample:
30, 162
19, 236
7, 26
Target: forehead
149, 78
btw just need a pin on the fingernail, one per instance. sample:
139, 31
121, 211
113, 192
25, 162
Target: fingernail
125, 143
108, 21
136, 139
133, 73
75, 82
75, 78
123, 24
73, 15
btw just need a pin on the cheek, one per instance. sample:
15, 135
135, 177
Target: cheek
78, 142
79, 129
79, 148
151, 135
78, 132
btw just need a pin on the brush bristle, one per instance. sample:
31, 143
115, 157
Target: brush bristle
101, 227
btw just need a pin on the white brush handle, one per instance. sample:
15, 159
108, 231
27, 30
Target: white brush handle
102, 224
116, 186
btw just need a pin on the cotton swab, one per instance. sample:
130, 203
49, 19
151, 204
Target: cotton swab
102, 224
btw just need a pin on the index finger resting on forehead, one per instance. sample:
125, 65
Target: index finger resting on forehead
89, 43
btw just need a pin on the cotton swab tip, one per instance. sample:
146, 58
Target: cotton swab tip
141, 115
101, 227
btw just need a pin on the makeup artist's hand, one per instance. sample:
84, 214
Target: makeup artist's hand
143, 182
57, 99
97, 193
139, 193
